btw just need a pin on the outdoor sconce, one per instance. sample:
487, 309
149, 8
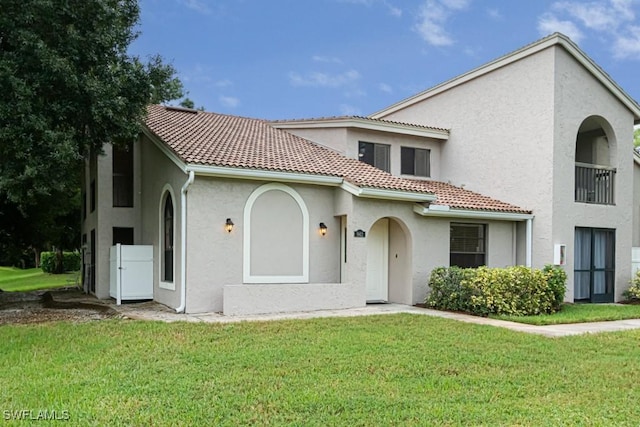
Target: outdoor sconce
228, 225
323, 229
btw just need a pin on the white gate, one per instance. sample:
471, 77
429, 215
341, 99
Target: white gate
131, 272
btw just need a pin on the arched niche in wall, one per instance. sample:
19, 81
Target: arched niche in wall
276, 236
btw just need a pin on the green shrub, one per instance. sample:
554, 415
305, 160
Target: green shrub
518, 291
70, 261
633, 293
557, 282
447, 292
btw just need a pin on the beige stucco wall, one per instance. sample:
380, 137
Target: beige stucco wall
158, 172
579, 95
215, 257
105, 216
636, 205
513, 134
501, 137
345, 141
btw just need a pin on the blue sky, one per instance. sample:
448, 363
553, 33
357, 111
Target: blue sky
282, 59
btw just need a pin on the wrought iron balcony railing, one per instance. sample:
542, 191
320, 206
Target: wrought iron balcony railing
595, 184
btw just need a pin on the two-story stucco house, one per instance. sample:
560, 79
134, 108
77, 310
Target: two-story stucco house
526, 160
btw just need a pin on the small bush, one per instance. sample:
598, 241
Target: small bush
447, 292
518, 291
633, 293
70, 261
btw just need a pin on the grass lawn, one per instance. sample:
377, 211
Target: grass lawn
579, 313
15, 279
396, 369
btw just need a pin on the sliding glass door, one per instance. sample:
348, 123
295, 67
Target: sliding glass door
594, 264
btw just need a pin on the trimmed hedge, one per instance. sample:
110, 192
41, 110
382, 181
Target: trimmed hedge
518, 291
70, 261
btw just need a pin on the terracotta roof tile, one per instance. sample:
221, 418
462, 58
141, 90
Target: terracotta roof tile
212, 139
459, 198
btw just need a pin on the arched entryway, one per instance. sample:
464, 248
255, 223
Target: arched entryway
388, 274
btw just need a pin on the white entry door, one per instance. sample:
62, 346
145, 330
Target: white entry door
378, 262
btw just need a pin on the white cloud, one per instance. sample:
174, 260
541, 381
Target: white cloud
349, 110
628, 46
229, 101
197, 5
393, 10
612, 21
323, 79
329, 59
456, 4
596, 16
433, 16
385, 88
223, 83
494, 14
548, 24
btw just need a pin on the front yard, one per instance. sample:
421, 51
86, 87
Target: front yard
379, 370
580, 313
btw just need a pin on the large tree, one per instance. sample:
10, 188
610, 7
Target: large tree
68, 86
636, 137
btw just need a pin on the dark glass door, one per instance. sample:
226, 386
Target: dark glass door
594, 264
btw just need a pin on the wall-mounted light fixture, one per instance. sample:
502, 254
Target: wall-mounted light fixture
228, 225
323, 229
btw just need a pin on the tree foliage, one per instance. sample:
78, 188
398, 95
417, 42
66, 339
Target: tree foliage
68, 86
636, 137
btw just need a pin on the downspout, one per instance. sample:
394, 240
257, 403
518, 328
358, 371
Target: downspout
183, 243
529, 249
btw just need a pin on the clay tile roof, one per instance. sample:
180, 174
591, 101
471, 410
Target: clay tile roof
459, 198
210, 139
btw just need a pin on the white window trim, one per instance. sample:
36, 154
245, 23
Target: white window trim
171, 286
246, 256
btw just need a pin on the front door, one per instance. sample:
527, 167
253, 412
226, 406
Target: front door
594, 264
378, 262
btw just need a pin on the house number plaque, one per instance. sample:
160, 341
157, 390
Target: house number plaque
359, 233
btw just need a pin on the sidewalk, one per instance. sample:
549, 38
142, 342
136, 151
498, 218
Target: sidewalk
155, 311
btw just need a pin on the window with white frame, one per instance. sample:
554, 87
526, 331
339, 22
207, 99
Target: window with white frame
375, 154
415, 161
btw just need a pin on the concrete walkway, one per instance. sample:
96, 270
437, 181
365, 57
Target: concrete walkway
155, 311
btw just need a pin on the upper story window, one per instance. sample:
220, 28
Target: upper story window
594, 160
375, 154
123, 176
467, 245
415, 161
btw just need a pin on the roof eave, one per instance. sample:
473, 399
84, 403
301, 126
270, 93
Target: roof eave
552, 40
387, 194
354, 122
444, 211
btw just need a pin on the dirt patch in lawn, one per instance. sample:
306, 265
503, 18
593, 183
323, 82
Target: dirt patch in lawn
51, 306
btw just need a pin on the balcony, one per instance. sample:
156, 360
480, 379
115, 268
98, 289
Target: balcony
595, 184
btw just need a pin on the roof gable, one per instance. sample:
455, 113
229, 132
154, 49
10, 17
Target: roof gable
556, 39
